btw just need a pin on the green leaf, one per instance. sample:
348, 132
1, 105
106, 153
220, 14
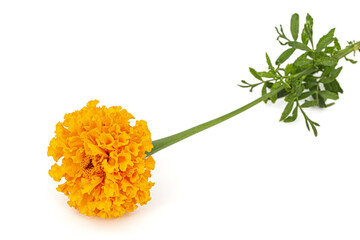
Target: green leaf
334, 86
304, 37
255, 74
284, 56
337, 44
309, 20
328, 94
307, 104
350, 60
303, 61
331, 76
287, 110
330, 104
307, 124
309, 28
293, 117
310, 82
263, 92
274, 86
299, 45
325, 40
266, 74
290, 69
271, 67
290, 97
299, 90
294, 26
326, 61
306, 94
314, 128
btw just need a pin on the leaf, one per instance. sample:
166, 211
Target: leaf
325, 40
299, 45
328, 94
271, 67
309, 28
290, 69
302, 61
337, 44
290, 97
334, 86
284, 56
304, 37
330, 104
331, 76
310, 82
294, 26
299, 90
287, 110
293, 117
314, 128
255, 74
309, 20
263, 92
307, 124
306, 94
326, 61
266, 74
350, 60
307, 104
274, 86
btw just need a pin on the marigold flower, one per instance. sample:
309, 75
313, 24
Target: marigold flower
103, 160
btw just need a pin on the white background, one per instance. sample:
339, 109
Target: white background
176, 64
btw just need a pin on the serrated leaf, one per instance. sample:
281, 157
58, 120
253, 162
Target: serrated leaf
299, 45
294, 26
255, 74
325, 40
307, 104
287, 110
329, 95
284, 56
326, 61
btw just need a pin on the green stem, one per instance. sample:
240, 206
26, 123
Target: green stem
167, 141
351, 48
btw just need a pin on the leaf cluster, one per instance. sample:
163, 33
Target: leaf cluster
310, 80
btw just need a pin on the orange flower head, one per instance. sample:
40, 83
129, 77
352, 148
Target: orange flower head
103, 160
